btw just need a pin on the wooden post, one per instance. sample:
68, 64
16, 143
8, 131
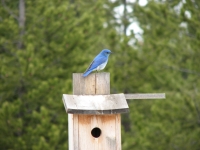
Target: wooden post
96, 83
93, 132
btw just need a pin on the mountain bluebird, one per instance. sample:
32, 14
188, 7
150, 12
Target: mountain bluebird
99, 62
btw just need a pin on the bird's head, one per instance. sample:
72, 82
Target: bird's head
106, 52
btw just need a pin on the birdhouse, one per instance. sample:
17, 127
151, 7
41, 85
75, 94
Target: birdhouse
96, 122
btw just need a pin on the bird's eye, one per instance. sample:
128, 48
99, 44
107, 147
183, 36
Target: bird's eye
107, 52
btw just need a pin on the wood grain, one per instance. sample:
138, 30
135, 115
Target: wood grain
80, 126
70, 131
118, 131
102, 83
95, 104
95, 83
110, 138
145, 96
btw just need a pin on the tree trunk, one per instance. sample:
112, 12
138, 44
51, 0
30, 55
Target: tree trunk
21, 22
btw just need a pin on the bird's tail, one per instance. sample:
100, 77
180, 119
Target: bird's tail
85, 74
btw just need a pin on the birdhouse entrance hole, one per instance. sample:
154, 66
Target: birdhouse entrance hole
96, 132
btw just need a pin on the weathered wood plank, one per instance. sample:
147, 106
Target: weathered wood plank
118, 131
102, 83
84, 133
109, 132
109, 139
70, 131
95, 122
95, 104
75, 131
145, 96
95, 83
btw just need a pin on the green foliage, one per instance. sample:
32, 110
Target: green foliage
165, 60
62, 37
33, 78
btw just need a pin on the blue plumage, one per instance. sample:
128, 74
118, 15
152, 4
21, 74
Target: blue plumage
99, 62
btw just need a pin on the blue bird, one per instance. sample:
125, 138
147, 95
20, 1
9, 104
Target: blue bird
99, 62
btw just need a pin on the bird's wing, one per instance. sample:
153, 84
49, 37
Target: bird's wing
96, 62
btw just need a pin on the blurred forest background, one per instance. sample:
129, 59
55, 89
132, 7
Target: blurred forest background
42, 42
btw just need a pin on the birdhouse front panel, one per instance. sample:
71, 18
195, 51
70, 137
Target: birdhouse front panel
95, 132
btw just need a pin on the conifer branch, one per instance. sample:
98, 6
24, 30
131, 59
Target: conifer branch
9, 11
195, 103
183, 70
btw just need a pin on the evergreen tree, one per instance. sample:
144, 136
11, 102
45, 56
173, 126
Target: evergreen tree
57, 38
60, 38
164, 60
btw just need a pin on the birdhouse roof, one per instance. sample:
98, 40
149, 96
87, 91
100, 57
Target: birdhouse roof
95, 104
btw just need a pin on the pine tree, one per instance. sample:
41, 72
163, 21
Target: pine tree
164, 60
59, 38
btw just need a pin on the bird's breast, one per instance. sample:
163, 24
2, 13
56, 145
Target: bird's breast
102, 66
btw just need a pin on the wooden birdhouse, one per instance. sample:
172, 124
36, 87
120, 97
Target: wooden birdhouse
94, 121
